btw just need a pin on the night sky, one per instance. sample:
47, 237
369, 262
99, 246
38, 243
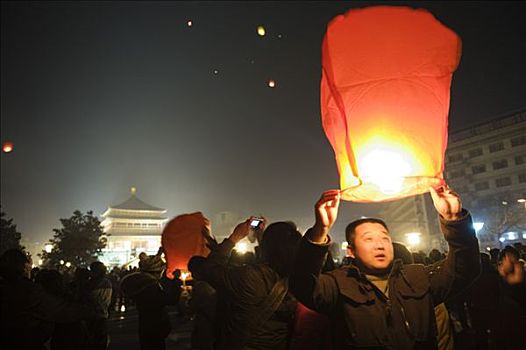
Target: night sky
99, 97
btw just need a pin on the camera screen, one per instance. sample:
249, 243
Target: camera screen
255, 223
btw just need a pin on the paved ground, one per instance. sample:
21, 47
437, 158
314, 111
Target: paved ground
123, 331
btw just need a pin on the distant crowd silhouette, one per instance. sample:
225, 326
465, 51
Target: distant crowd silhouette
289, 294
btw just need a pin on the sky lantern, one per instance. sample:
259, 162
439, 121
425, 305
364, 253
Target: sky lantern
189, 23
271, 83
386, 77
181, 239
261, 30
7, 147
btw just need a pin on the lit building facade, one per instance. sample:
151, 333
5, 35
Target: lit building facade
486, 164
131, 227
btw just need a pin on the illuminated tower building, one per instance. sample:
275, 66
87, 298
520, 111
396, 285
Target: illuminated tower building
131, 227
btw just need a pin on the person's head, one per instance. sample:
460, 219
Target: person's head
435, 255
152, 264
278, 246
81, 274
511, 252
51, 280
401, 252
15, 264
97, 269
195, 266
369, 243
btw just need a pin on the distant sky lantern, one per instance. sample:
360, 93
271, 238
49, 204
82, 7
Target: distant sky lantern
261, 31
7, 147
271, 83
181, 239
189, 23
385, 99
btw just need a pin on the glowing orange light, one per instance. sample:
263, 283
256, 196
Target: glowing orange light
271, 83
7, 147
189, 23
181, 239
385, 100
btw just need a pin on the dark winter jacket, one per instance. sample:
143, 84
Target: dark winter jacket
150, 300
28, 314
363, 317
243, 289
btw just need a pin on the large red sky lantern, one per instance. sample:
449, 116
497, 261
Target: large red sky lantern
385, 99
182, 238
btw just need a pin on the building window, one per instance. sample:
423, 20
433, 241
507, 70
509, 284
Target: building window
495, 147
455, 174
520, 160
455, 157
477, 169
505, 181
481, 186
522, 178
500, 164
518, 141
475, 152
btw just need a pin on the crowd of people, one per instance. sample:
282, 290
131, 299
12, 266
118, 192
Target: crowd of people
290, 294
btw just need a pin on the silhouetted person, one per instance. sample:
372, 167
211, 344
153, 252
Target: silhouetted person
145, 289
260, 308
27, 311
100, 290
202, 305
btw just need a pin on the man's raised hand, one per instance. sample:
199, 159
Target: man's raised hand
447, 202
326, 212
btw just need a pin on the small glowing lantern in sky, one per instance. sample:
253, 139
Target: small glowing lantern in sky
182, 238
189, 23
261, 31
7, 147
385, 99
271, 83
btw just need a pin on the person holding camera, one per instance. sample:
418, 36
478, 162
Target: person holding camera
257, 308
376, 301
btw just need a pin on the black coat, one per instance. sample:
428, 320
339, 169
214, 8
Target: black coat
241, 291
363, 317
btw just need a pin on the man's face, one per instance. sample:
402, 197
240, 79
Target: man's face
372, 246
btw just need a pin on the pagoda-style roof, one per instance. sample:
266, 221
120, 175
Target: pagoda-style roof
134, 203
134, 208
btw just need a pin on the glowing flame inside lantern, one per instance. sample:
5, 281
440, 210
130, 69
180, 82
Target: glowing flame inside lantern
271, 83
386, 169
184, 276
8, 147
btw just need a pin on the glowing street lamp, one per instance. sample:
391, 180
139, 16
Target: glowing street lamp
478, 226
48, 247
413, 239
61, 262
241, 247
68, 264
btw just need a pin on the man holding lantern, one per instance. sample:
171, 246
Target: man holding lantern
377, 302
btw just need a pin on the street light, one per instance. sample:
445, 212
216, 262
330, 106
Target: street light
478, 226
48, 247
413, 238
241, 247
